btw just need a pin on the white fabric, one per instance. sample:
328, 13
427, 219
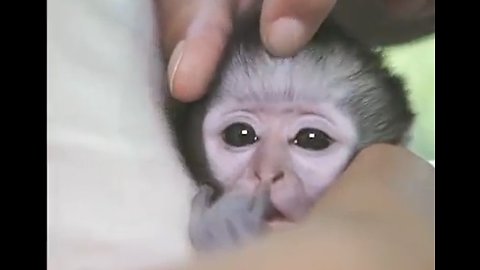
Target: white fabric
116, 198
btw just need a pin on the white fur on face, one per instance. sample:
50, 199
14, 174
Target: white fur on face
278, 97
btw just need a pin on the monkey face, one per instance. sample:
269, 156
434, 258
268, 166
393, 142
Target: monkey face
296, 148
295, 123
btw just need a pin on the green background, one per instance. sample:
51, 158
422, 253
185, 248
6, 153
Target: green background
416, 63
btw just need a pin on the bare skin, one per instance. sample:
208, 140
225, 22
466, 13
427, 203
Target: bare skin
364, 222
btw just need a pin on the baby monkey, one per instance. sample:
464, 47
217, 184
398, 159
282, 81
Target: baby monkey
275, 132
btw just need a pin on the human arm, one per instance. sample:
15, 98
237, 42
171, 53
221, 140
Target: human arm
365, 221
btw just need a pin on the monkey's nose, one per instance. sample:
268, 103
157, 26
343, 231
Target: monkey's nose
270, 177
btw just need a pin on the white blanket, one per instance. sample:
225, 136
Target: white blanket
115, 194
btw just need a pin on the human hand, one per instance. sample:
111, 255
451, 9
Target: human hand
195, 34
365, 221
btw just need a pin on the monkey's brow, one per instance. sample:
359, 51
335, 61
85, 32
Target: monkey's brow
301, 111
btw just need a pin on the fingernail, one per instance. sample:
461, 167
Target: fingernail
174, 62
285, 37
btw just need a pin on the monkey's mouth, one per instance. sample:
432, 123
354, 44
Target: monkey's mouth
278, 221
273, 215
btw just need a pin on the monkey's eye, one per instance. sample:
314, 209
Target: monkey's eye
239, 134
312, 139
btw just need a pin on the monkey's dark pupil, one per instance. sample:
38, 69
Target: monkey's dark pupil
239, 134
312, 139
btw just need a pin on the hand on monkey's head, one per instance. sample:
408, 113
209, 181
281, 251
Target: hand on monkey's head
195, 34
